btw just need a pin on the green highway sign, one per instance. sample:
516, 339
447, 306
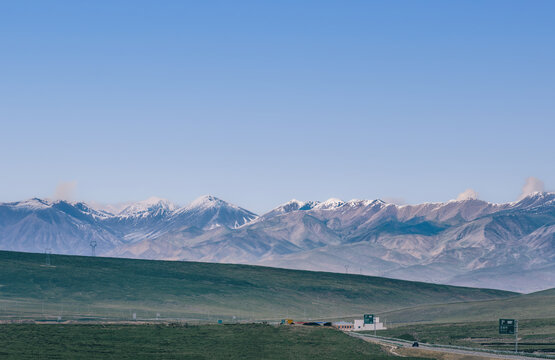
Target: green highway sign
368, 318
507, 326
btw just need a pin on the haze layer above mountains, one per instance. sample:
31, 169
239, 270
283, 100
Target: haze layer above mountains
469, 242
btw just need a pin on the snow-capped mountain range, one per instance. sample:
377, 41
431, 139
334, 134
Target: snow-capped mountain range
469, 242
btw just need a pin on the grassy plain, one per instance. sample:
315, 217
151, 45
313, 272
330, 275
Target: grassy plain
31, 341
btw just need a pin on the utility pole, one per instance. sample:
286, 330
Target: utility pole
93, 247
516, 335
47, 252
509, 326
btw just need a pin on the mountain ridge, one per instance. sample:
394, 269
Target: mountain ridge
437, 242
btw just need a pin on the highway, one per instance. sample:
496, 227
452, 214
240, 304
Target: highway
394, 344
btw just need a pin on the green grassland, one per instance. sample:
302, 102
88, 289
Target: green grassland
534, 335
77, 287
529, 306
31, 341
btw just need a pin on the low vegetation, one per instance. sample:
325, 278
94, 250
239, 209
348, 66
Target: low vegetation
31, 341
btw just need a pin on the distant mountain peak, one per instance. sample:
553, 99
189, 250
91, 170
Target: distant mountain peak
151, 206
541, 195
33, 204
294, 205
30, 204
534, 199
208, 201
210, 212
358, 202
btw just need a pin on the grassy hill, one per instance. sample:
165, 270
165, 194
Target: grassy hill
77, 287
539, 305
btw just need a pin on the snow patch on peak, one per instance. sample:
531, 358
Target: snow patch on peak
330, 204
209, 212
84, 208
31, 204
357, 202
208, 201
290, 206
295, 204
151, 206
541, 195
534, 199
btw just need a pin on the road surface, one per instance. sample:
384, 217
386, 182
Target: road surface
393, 344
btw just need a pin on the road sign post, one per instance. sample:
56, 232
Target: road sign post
369, 319
509, 326
516, 335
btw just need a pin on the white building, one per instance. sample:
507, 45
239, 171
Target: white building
359, 325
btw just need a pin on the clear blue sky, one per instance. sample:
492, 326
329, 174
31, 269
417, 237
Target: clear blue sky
260, 102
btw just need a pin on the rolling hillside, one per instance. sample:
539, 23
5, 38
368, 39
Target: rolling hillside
539, 305
111, 288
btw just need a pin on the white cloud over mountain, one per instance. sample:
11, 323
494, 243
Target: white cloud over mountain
65, 190
531, 186
468, 194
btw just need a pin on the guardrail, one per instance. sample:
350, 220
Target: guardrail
455, 347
